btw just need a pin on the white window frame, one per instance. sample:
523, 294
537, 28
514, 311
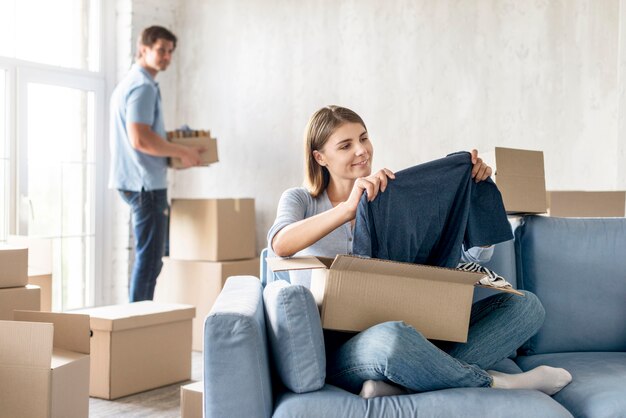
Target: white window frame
83, 80
19, 73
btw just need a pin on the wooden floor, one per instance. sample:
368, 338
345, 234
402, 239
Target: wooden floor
158, 403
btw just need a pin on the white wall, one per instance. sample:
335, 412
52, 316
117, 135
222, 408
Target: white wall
429, 77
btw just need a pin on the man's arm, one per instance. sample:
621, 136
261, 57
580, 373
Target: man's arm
144, 139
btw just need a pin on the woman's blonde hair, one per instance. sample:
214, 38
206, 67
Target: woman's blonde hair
320, 127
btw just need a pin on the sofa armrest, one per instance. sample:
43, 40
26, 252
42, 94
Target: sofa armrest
237, 379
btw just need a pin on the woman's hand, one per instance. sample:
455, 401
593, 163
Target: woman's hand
371, 184
480, 171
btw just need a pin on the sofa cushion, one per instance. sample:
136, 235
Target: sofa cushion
597, 389
577, 268
295, 336
331, 402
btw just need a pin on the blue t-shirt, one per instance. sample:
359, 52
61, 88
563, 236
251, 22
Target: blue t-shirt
429, 213
136, 99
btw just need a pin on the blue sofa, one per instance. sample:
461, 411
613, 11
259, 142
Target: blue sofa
577, 268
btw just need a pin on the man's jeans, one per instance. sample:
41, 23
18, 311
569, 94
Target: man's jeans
150, 215
396, 352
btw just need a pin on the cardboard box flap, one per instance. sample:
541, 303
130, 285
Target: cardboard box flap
25, 344
137, 315
519, 163
398, 269
62, 357
298, 263
71, 331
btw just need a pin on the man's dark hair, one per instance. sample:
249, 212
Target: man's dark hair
150, 35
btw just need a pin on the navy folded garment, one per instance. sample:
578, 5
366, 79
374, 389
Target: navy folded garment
428, 212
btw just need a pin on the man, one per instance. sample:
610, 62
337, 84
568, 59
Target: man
139, 152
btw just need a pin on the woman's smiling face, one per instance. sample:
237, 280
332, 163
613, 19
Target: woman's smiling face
347, 153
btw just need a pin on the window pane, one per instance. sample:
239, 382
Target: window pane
4, 160
77, 254
44, 203
4, 194
60, 124
77, 199
7, 28
60, 32
3, 115
61, 184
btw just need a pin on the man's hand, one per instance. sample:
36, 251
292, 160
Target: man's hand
190, 155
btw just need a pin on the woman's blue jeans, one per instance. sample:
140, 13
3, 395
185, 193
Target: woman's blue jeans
396, 352
150, 216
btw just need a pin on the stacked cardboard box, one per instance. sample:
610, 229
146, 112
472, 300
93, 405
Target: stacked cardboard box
39, 265
15, 292
210, 240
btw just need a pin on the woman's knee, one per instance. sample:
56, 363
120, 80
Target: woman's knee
532, 308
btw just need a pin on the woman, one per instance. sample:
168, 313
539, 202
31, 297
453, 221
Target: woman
388, 358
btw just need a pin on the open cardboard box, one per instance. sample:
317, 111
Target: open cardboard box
44, 365
356, 293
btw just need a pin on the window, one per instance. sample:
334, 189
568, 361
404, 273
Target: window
61, 33
4, 158
51, 130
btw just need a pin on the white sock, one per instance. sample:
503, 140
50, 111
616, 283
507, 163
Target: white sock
375, 388
547, 379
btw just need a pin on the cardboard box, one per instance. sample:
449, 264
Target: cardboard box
23, 298
40, 251
209, 156
356, 293
44, 281
520, 177
580, 204
44, 366
198, 283
138, 346
191, 400
212, 229
13, 266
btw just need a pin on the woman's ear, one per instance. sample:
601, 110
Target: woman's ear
319, 157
